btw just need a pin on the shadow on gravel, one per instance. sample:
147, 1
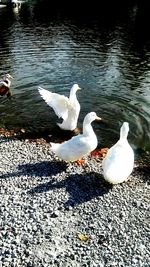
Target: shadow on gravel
81, 187
143, 172
45, 168
4, 139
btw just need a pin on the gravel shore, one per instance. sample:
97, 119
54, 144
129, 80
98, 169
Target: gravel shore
54, 213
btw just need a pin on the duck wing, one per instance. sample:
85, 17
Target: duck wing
71, 150
59, 103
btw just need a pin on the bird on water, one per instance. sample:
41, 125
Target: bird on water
5, 83
67, 108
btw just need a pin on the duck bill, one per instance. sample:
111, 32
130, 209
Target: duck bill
98, 118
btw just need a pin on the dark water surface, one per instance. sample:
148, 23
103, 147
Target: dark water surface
109, 59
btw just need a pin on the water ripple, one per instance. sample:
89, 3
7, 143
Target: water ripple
114, 77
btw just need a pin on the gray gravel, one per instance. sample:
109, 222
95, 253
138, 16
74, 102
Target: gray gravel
46, 203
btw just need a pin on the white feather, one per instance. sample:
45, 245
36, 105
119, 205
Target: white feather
66, 108
119, 161
78, 146
58, 102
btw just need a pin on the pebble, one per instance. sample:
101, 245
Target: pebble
45, 203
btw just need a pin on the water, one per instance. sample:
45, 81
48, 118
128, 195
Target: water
109, 60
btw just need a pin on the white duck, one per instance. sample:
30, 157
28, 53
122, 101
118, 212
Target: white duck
78, 146
5, 83
66, 108
119, 161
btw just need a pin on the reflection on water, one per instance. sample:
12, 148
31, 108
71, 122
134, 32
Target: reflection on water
109, 60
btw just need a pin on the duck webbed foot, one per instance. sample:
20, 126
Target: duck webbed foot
100, 152
81, 161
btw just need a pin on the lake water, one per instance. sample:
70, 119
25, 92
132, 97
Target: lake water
109, 59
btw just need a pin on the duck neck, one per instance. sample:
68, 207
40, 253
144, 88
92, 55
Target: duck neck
72, 96
123, 135
88, 129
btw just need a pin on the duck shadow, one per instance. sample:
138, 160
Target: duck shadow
45, 168
80, 187
143, 172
